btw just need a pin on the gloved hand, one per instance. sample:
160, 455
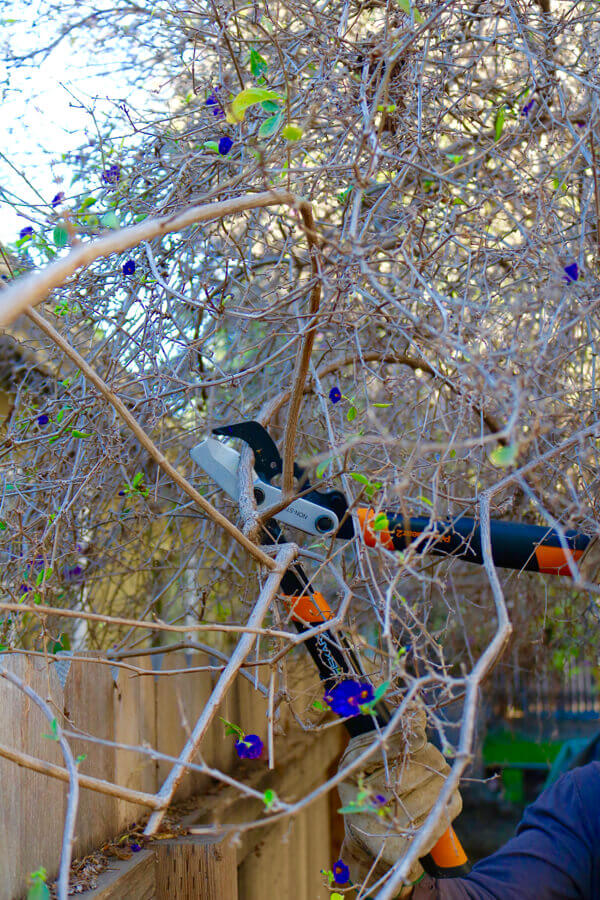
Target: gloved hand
417, 771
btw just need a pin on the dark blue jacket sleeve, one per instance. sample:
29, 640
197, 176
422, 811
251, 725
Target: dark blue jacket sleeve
555, 854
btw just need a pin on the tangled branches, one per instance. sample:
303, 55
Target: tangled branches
445, 282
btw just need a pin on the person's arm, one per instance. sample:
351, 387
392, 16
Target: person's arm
555, 854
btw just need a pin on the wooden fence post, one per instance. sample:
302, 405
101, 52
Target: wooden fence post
196, 870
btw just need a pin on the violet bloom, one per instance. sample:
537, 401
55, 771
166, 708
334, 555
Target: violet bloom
249, 747
212, 102
347, 696
225, 145
527, 108
571, 273
341, 872
111, 175
26, 232
335, 395
58, 199
129, 267
135, 848
43, 419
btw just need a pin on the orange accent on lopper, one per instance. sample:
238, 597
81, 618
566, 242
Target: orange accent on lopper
448, 851
311, 608
553, 560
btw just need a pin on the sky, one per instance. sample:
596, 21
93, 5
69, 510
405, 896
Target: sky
40, 119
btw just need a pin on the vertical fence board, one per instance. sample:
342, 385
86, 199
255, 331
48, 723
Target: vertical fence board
88, 707
32, 807
135, 723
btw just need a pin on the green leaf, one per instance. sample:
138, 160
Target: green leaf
380, 691
322, 466
81, 758
406, 6
269, 798
80, 434
258, 64
60, 236
246, 99
382, 405
42, 576
54, 735
270, 125
89, 201
453, 157
211, 145
110, 220
425, 500
336, 896
318, 705
360, 478
270, 106
352, 808
3, 526
499, 123
380, 522
38, 889
352, 413
504, 456
292, 133
137, 478
230, 728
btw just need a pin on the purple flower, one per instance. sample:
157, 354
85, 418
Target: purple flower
129, 267
43, 419
571, 273
379, 800
341, 872
26, 232
24, 589
58, 199
346, 697
527, 108
72, 574
225, 145
135, 848
213, 101
580, 124
335, 395
122, 493
112, 175
249, 747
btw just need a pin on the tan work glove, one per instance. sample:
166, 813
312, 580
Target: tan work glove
417, 771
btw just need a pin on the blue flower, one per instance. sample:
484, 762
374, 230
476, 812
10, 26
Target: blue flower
129, 267
335, 395
58, 199
26, 232
24, 589
341, 872
111, 175
43, 419
527, 108
249, 747
225, 145
379, 800
135, 848
571, 273
213, 101
347, 696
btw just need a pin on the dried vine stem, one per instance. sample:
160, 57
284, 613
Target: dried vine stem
32, 289
283, 559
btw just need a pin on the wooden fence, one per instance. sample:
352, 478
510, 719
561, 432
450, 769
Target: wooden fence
284, 859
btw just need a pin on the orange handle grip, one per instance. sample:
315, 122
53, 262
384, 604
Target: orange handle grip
447, 859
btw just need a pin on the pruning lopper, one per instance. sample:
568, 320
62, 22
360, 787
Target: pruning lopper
327, 513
